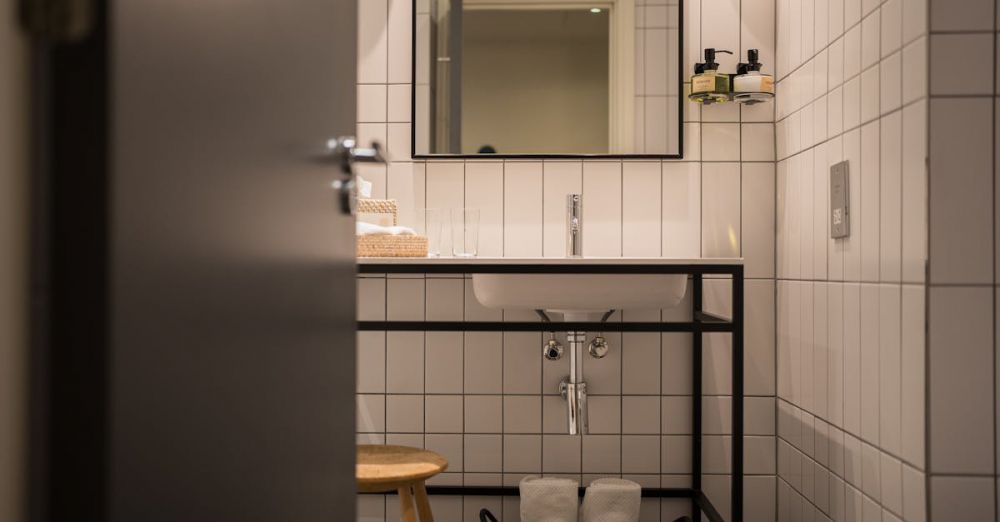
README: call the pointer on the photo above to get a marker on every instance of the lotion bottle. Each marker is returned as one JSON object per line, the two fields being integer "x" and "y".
{"x": 749, "y": 85}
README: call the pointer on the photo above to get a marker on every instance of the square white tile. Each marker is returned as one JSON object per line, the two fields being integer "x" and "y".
{"x": 601, "y": 454}
{"x": 373, "y": 45}
{"x": 914, "y": 200}
{"x": 870, "y": 39}
{"x": 522, "y": 453}
{"x": 371, "y": 103}
{"x": 523, "y": 209}
{"x": 914, "y": 70}
{"x": 974, "y": 15}
{"x": 721, "y": 220}
{"x": 720, "y": 141}
{"x": 947, "y": 53}
{"x": 640, "y": 415}
{"x": 484, "y": 190}
{"x": 602, "y": 184}
{"x": 890, "y": 387}
{"x": 960, "y": 370}
{"x": 404, "y": 362}
{"x": 371, "y": 362}
{"x": 522, "y": 414}
{"x": 400, "y": 38}
{"x": 404, "y": 413}
{"x": 443, "y": 414}
{"x": 443, "y": 363}
{"x": 562, "y": 454}
{"x": 483, "y": 362}
{"x": 892, "y": 26}
{"x": 868, "y": 220}
{"x": 681, "y": 209}
{"x": 960, "y": 186}
{"x": 912, "y": 375}
{"x": 483, "y": 453}
{"x": 371, "y": 413}
{"x": 399, "y": 103}
{"x": 640, "y": 217}
{"x": 962, "y": 498}
{"x": 641, "y": 363}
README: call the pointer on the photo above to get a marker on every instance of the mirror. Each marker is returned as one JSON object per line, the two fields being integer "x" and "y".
{"x": 547, "y": 78}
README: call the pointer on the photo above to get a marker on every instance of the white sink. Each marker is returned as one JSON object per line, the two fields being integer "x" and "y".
{"x": 579, "y": 295}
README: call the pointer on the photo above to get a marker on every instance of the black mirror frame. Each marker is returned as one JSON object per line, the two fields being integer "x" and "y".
{"x": 487, "y": 157}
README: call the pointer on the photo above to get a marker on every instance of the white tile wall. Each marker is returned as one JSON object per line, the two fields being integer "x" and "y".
{"x": 850, "y": 312}
{"x": 486, "y": 400}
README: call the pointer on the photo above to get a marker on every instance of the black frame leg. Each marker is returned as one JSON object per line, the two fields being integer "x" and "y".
{"x": 737, "y": 340}
{"x": 696, "y": 394}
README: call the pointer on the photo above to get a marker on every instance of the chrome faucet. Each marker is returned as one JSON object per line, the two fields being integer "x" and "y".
{"x": 574, "y": 225}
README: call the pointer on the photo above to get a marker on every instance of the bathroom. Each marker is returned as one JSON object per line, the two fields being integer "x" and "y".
{"x": 839, "y": 414}
{"x": 824, "y": 244}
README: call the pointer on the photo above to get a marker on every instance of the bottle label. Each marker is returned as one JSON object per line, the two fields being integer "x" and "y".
{"x": 767, "y": 84}
{"x": 703, "y": 84}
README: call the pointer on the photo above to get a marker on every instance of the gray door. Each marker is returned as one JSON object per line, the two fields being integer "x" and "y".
{"x": 232, "y": 265}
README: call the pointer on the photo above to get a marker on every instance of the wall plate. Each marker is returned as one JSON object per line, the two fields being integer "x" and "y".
{"x": 840, "y": 208}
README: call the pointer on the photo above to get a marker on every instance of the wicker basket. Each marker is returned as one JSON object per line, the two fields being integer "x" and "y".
{"x": 388, "y": 245}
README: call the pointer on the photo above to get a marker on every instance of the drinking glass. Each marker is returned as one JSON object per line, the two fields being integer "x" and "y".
{"x": 433, "y": 223}
{"x": 465, "y": 232}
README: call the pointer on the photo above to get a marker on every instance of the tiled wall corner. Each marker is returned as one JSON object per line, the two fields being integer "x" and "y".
{"x": 467, "y": 401}
{"x": 850, "y": 312}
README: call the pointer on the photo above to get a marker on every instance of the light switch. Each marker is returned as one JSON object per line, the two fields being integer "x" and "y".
{"x": 840, "y": 208}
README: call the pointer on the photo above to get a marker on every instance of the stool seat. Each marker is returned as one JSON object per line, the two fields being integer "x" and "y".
{"x": 383, "y": 468}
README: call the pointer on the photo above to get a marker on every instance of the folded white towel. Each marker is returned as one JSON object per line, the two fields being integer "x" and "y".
{"x": 548, "y": 499}
{"x": 611, "y": 500}
{"x": 364, "y": 187}
{"x": 370, "y": 229}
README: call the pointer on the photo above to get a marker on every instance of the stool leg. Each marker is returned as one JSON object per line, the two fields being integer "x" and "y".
{"x": 406, "y": 511}
{"x": 423, "y": 505}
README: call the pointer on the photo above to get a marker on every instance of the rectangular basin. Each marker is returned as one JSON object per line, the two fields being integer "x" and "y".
{"x": 569, "y": 293}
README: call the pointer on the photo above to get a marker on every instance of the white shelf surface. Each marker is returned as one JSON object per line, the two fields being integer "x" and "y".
{"x": 445, "y": 261}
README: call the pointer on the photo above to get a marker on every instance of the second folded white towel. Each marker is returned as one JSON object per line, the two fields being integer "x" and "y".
{"x": 611, "y": 500}
{"x": 548, "y": 499}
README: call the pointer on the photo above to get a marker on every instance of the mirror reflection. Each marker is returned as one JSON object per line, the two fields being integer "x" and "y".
{"x": 547, "y": 77}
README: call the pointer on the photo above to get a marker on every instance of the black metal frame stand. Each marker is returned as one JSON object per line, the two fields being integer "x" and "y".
{"x": 702, "y": 322}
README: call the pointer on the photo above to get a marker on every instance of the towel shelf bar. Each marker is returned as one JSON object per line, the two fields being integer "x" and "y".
{"x": 697, "y": 497}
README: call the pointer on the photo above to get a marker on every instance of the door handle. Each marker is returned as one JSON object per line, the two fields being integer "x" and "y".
{"x": 344, "y": 152}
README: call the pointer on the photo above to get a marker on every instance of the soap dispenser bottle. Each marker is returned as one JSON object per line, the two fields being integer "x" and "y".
{"x": 750, "y": 86}
{"x": 708, "y": 85}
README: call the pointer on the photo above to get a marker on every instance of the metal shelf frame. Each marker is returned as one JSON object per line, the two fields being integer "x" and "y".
{"x": 702, "y": 322}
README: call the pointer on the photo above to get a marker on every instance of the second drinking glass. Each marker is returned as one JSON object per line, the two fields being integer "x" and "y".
{"x": 465, "y": 232}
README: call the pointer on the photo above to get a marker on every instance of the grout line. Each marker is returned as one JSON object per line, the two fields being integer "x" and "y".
{"x": 925, "y": 407}
{"x": 993, "y": 181}
{"x": 774, "y": 260}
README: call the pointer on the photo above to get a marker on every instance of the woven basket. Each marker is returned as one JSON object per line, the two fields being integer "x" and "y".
{"x": 387, "y": 245}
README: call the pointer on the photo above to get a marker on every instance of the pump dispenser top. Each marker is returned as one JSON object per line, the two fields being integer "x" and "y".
{"x": 753, "y": 63}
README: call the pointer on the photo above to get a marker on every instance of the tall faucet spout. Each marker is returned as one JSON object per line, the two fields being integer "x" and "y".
{"x": 574, "y": 225}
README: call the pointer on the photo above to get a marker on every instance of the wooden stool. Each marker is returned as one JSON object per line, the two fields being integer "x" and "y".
{"x": 381, "y": 469}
